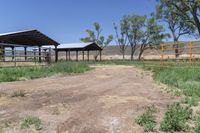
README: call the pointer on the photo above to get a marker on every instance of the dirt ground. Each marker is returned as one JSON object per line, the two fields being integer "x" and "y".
{"x": 104, "y": 100}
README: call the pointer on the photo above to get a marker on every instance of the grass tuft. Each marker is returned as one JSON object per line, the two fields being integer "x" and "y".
{"x": 191, "y": 101}
{"x": 31, "y": 120}
{"x": 176, "y": 118}
{"x": 147, "y": 119}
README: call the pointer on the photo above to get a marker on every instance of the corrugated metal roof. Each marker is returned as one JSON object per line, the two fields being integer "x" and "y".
{"x": 8, "y": 33}
{"x": 75, "y": 45}
{"x": 27, "y": 38}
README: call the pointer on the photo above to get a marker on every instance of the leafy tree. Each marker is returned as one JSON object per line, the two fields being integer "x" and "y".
{"x": 121, "y": 39}
{"x": 95, "y": 36}
{"x": 132, "y": 27}
{"x": 188, "y": 10}
{"x": 152, "y": 34}
{"x": 177, "y": 26}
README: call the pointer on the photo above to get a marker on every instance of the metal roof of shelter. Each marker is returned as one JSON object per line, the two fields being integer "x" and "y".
{"x": 79, "y": 46}
{"x": 26, "y": 38}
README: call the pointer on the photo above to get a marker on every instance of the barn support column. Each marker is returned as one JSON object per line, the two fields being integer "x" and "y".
{"x": 66, "y": 55}
{"x": 56, "y": 54}
{"x": 25, "y": 53}
{"x": 49, "y": 56}
{"x": 83, "y": 55}
{"x": 40, "y": 59}
{"x": 34, "y": 52}
{"x": 69, "y": 55}
{"x": 88, "y": 55}
{"x": 76, "y": 55}
{"x": 12, "y": 53}
{"x": 3, "y": 53}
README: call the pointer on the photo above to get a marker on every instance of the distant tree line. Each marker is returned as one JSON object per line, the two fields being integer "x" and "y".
{"x": 143, "y": 32}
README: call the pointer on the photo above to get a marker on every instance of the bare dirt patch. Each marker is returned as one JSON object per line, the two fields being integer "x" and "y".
{"x": 105, "y": 100}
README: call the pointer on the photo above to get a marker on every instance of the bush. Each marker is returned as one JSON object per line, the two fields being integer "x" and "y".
{"x": 31, "y": 120}
{"x": 147, "y": 119}
{"x": 175, "y": 118}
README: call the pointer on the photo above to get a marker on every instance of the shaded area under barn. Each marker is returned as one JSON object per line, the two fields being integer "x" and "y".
{"x": 80, "y": 47}
{"x": 26, "y": 46}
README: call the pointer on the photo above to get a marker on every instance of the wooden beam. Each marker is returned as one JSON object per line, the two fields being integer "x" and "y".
{"x": 40, "y": 59}
{"x": 76, "y": 55}
{"x": 34, "y": 51}
{"x": 88, "y": 55}
{"x": 83, "y": 55}
{"x": 69, "y": 55}
{"x": 13, "y": 52}
{"x": 25, "y": 53}
{"x": 3, "y": 53}
{"x": 56, "y": 54}
{"x": 66, "y": 56}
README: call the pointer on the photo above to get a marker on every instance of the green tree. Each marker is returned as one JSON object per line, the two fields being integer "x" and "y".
{"x": 152, "y": 34}
{"x": 188, "y": 10}
{"x": 95, "y": 36}
{"x": 121, "y": 39}
{"x": 132, "y": 27}
{"x": 177, "y": 26}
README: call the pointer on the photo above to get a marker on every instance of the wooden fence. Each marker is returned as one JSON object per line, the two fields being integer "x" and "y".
{"x": 173, "y": 53}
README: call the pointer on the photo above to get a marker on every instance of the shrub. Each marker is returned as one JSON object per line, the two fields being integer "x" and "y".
{"x": 175, "y": 118}
{"x": 31, "y": 120}
{"x": 147, "y": 119}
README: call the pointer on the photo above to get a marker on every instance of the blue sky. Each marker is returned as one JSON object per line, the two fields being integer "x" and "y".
{"x": 66, "y": 20}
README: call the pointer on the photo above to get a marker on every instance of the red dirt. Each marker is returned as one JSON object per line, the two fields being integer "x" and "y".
{"x": 105, "y": 100}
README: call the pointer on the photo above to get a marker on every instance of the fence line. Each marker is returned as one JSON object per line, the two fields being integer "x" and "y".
{"x": 174, "y": 53}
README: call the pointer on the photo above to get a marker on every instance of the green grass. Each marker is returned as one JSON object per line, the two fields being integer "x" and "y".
{"x": 191, "y": 101}
{"x": 176, "y": 118}
{"x": 184, "y": 77}
{"x": 31, "y": 120}
{"x": 147, "y": 119}
{"x": 19, "y": 73}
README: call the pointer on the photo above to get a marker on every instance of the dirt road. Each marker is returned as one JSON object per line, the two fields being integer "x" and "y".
{"x": 104, "y": 100}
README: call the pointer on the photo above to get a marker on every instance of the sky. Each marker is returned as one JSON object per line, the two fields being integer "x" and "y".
{"x": 66, "y": 20}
